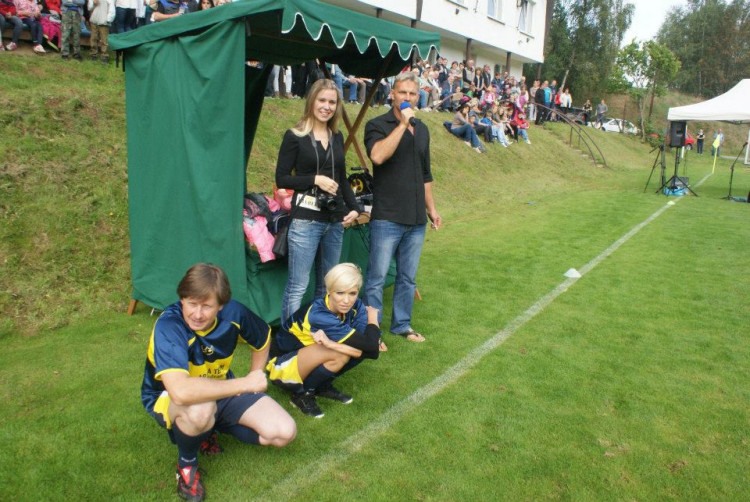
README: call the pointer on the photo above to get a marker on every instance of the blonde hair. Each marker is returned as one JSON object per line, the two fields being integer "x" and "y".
{"x": 305, "y": 124}
{"x": 342, "y": 277}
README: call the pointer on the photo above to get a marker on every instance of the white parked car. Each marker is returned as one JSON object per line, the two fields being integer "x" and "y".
{"x": 618, "y": 125}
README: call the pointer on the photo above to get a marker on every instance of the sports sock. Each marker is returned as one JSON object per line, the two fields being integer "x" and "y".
{"x": 317, "y": 377}
{"x": 351, "y": 364}
{"x": 187, "y": 446}
{"x": 244, "y": 434}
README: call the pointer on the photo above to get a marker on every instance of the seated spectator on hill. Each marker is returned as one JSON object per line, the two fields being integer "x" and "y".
{"x": 464, "y": 130}
{"x": 323, "y": 340}
{"x": 30, "y": 15}
{"x": 357, "y": 89}
{"x": 489, "y": 97}
{"x": 520, "y": 125}
{"x": 432, "y": 89}
{"x": 475, "y": 116}
{"x": 493, "y": 118}
{"x": 498, "y": 81}
{"x": 383, "y": 93}
{"x": 51, "y": 22}
{"x": 455, "y": 71}
{"x": 523, "y": 97}
{"x": 8, "y": 17}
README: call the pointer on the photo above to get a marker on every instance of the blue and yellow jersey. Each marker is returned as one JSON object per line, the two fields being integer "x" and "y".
{"x": 173, "y": 346}
{"x": 297, "y": 331}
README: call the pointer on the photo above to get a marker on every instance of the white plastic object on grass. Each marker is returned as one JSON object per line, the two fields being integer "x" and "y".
{"x": 573, "y": 274}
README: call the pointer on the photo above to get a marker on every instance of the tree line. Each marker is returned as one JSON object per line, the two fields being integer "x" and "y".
{"x": 702, "y": 48}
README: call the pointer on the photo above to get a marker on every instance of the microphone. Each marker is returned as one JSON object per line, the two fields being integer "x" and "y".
{"x": 404, "y": 105}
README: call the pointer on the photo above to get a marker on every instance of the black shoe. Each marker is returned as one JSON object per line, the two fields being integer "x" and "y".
{"x": 305, "y": 402}
{"x": 332, "y": 392}
{"x": 77, "y": 56}
{"x": 211, "y": 446}
{"x": 189, "y": 486}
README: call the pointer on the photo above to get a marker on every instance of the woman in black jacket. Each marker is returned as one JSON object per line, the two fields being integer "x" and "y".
{"x": 312, "y": 163}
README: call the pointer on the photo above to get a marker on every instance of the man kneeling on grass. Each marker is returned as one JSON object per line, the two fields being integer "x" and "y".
{"x": 188, "y": 386}
{"x": 324, "y": 339}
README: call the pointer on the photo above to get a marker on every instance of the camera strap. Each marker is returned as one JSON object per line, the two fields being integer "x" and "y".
{"x": 329, "y": 153}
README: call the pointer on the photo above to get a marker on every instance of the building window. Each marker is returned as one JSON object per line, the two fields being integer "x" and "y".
{"x": 493, "y": 8}
{"x": 525, "y": 11}
{"x": 462, "y": 3}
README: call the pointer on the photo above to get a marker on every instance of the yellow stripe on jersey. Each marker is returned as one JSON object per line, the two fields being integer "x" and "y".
{"x": 157, "y": 376}
{"x": 150, "y": 353}
{"x": 211, "y": 369}
{"x": 162, "y": 407}
{"x": 286, "y": 372}
{"x": 268, "y": 341}
{"x": 303, "y": 333}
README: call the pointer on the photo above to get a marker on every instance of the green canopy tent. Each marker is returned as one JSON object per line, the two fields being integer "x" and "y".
{"x": 192, "y": 107}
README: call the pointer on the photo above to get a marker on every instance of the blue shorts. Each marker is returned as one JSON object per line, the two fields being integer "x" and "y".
{"x": 228, "y": 411}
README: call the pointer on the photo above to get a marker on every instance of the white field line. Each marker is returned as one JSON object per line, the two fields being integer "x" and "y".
{"x": 312, "y": 472}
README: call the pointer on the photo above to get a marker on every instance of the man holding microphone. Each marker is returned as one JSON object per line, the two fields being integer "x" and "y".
{"x": 399, "y": 147}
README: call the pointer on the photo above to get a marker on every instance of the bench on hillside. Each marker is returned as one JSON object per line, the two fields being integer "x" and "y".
{"x": 26, "y": 35}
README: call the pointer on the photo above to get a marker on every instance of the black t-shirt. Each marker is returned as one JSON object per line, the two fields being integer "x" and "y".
{"x": 399, "y": 194}
{"x": 297, "y": 166}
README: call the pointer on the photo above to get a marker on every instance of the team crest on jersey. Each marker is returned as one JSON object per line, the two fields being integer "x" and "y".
{"x": 207, "y": 350}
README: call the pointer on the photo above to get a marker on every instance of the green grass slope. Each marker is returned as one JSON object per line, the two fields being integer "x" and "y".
{"x": 628, "y": 384}
{"x": 64, "y": 238}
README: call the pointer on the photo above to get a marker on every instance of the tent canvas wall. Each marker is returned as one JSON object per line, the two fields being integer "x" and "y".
{"x": 192, "y": 106}
{"x": 732, "y": 106}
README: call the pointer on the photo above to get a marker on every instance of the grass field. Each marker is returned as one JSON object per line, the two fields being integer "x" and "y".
{"x": 631, "y": 383}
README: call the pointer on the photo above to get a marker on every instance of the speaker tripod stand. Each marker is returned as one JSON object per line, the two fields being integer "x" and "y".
{"x": 731, "y": 175}
{"x": 660, "y": 156}
{"x": 672, "y": 182}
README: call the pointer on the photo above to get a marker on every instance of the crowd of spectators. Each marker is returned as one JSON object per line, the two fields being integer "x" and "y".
{"x": 58, "y": 24}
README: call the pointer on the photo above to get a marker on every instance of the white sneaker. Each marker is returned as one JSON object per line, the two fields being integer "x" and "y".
{"x": 11, "y": 46}
{"x": 39, "y": 49}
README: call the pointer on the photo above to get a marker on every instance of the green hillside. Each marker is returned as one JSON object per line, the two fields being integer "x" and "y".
{"x": 64, "y": 238}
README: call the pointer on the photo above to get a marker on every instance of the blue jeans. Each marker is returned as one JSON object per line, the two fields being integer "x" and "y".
{"x": 309, "y": 242}
{"x": 17, "y": 26}
{"x": 124, "y": 19}
{"x": 466, "y": 133}
{"x": 35, "y": 27}
{"x": 388, "y": 239}
{"x": 422, "y": 99}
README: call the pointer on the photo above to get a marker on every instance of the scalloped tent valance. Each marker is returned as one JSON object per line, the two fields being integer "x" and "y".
{"x": 293, "y": 31}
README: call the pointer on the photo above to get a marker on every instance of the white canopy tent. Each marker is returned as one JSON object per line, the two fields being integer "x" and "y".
{"x": 732, "y": 106}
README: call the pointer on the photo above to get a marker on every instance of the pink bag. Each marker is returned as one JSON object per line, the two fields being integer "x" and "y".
{"x": 257, "y": 234}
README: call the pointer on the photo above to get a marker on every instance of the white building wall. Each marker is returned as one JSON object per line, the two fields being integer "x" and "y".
{"x": 493, "y": 34}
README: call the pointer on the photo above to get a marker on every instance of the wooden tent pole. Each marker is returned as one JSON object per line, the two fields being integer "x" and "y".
{"x": 352, "y": 129}
{"x": 348, "y": 124}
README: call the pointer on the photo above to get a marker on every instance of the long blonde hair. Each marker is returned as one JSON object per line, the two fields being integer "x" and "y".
{"x": 305, "y": 123}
